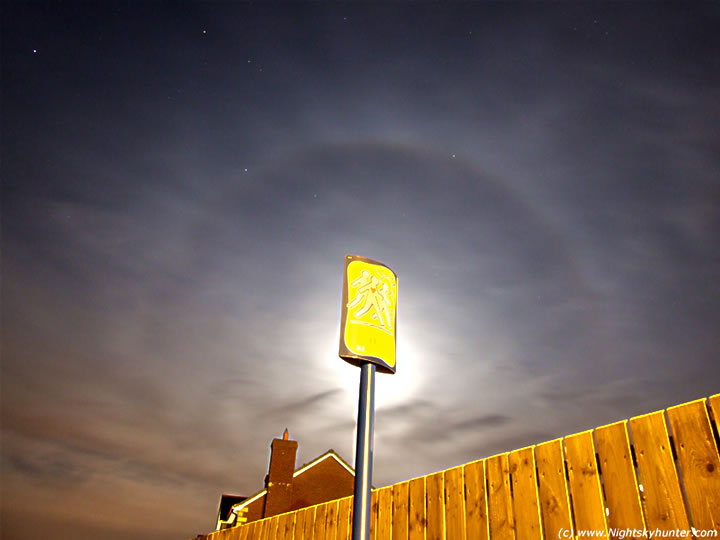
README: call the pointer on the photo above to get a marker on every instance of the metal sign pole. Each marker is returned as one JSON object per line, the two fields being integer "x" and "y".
{"x": 364, "y": 453}
{"x": 368, "y": 322}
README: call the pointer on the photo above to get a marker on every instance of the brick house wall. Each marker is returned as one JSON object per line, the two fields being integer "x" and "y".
{"x": 325, "y": 478}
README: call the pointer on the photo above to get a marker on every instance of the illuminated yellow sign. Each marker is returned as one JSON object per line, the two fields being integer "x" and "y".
{"x": 369, "y": 313}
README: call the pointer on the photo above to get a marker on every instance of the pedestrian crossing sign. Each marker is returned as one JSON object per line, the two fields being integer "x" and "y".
{"x": 369, "y": 313}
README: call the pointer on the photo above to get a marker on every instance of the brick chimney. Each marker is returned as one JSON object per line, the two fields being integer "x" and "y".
{"x": 280, "y": 476}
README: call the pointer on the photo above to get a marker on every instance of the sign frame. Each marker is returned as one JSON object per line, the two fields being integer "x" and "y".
{"x": 353, "y": 357}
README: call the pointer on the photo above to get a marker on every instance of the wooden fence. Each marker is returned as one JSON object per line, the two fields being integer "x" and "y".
{"x": 660, "y": 471}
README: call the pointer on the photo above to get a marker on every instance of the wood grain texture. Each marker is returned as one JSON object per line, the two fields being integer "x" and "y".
{"x": 552, "y": 482}
{"x": 500, "y": 513}
{"x": 331, "y": 521}
{"x": 299, "y": 529}
{"x": 586, "y": 491}
{"x": 400, "y": 510}
{"x": 372, "y": 534}
{"x": 320, "y": 521}
{"x": 476, "y": 521}
{"x": 263, "y": 529}
{"x": 256, "y": 532}
{"x": 526, "y": 502}
{"x": 344, "y": 522}
{"x": 622, "y": 494}
{"x": 455, "y": 503}
{"x": 698, "y": 461}
{"x": 228, "y": 534}
{"x": 385, "y": 512}
{"x": 664, "y": 508}
{"x": 309, "y": 523}
{"x": 286, "y": 526}
{"x": 416, "y": 518}
{"x": 252, "y": 530}
{"x": 435, "y": 510}
{"x": 274, "y": 531}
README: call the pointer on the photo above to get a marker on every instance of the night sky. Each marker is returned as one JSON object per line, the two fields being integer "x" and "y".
{"x": 181, "y": 182}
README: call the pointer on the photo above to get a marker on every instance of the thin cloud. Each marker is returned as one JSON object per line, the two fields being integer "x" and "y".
{"x": 302, "y": 406}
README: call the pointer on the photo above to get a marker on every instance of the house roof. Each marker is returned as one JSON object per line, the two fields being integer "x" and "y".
{"x": 227, "y": 501}
{"x": 329, "y": 454}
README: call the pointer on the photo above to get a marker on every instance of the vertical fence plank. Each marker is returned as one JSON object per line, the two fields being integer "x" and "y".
{"x": 698, "y": 461}
{"x": 400, "y": 505}
{"x": 331, "y": 525}
{"x": 502, "y": 526}
{"x": 285, "y": 526}
{"x": 299, "y": 529}
{"x": 384, "y": 512}
{"x": 344, "y": 506}
{"x": 271, "y": 528}
{"x": 263, "y": 529}
{"x": 664, "y": 508}
{"x": 309, "y": 523}
{"x": 587, "y": 495}
{"x": 290, "y": 526}
{"x": 554, "y": 497}
{"x": 372, "y": 535}
{"x": 416, "y": 518}
{"x": 476, "y": 521}
{"x": 243, "y": 532}
{"x": 257, "y": 532}
{"x": 622, "y": 494}
{"x": 454, "y": 504}
{"x": 350, "y": 519}
{"x": 434, "y": 509}
{"x": 252, "y": 530}
{"x": 715, "y": 415}
{"x": 320, "y": 519}
{"x": 526, "y": 505}
{"x": 281, "y": 525}
{"x": 715, "y": 405}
